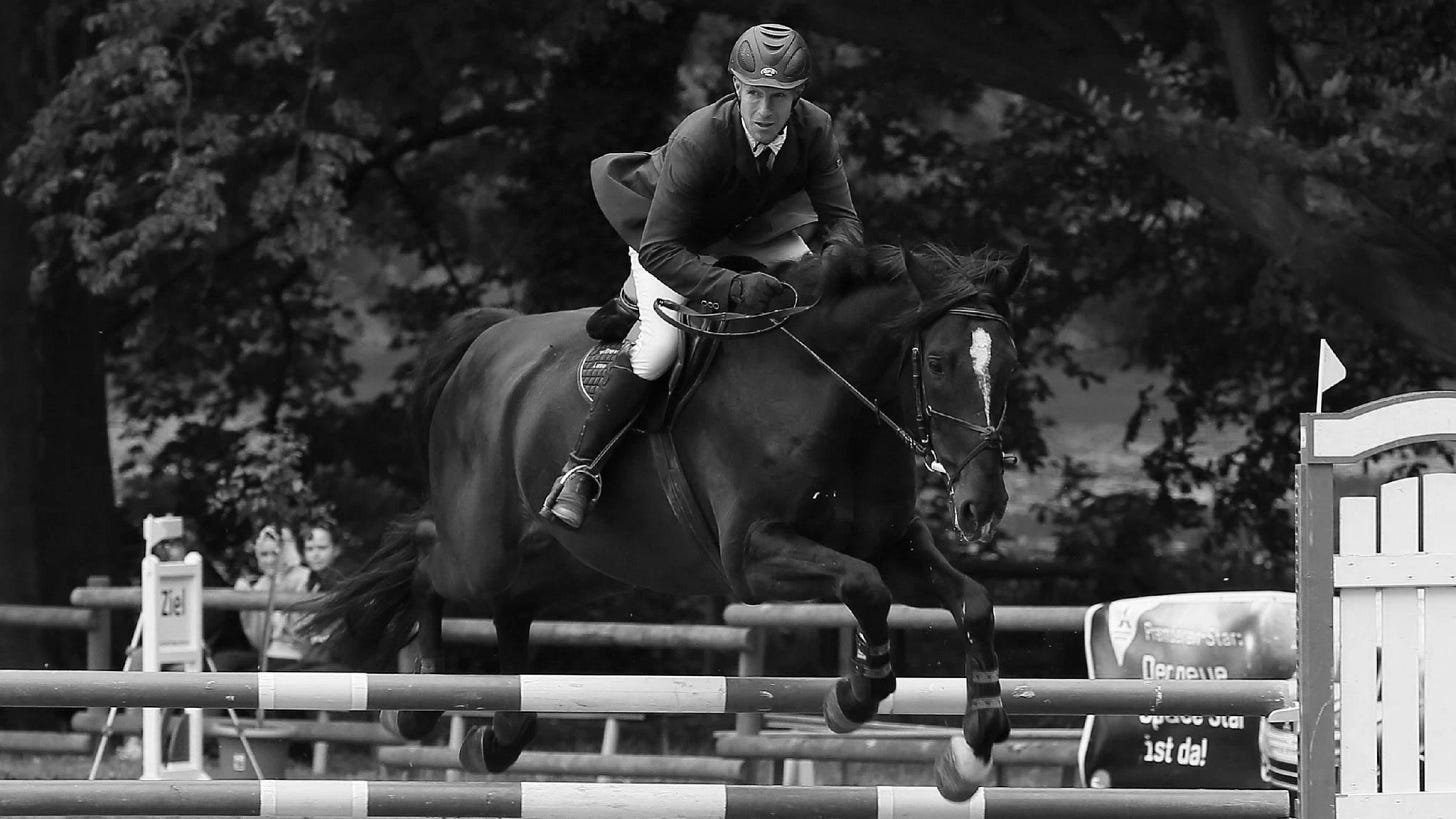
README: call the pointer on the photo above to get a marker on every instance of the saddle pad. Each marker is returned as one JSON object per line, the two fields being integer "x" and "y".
{"x": 592, "y": 373}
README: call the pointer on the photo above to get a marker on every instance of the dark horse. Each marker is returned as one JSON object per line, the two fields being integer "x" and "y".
{"x": 801, "y": 447}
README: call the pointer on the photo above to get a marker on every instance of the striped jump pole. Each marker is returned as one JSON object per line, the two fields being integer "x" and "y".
{"x": 837, "y": 615}
{"x": 570, "y": 800}
{"x": 607, "y": 693}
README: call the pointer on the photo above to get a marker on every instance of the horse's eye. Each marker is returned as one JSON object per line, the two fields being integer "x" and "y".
{"x": 935, "y": 364}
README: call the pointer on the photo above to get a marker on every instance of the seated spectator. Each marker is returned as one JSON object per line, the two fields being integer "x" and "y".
{"x": 276, "y": 637}
{"x": 321, "y": 555}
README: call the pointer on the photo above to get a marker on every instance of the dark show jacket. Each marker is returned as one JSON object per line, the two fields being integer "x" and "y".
{"x": 703, "y": 185}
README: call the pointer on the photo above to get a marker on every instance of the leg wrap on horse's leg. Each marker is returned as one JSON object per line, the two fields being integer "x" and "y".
{"x": 871, "y": 661}
{"x": 854, "y": 700}
{"x": 984, "y": 700}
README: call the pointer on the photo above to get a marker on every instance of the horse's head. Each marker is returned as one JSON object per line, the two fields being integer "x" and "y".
{"x": 965, "y": 355}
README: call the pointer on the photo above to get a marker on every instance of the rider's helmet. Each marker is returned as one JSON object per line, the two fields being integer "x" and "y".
{"x": 772, "y": 55}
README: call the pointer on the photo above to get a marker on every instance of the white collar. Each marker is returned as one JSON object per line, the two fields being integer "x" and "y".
{"x": 757, "y": 148}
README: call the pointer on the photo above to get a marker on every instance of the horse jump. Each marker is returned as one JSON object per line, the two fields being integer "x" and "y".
{"x": 607, "y": 693}
{"x": 566, "y": 800}
{"x": 789, "y": 469}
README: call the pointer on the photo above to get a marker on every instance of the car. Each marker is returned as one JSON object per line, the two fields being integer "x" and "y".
{"x": 1279, "y": 748}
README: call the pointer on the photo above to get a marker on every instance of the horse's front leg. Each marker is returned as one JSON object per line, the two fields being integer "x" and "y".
{"x": 782, "y": 565}
{"x": 920, "y": 575}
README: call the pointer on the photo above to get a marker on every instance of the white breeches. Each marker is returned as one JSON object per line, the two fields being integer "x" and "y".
{"x": 655, "y": 349}
{"x": 656, "y": 346}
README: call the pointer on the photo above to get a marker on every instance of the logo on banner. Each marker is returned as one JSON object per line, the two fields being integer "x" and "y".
{"x": 1122, "y": 621}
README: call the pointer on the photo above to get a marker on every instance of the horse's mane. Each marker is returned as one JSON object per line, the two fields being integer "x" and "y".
{"x": 958, "y": 279}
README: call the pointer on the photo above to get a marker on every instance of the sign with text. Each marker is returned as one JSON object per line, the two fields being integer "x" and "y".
{"x": 171, "y": 636}
{"x": 176, "y": 594}
{"x": 1207, "y": 636}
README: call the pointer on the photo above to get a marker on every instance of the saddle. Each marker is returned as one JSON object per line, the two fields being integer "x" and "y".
{"x": 613, "y": 326}
{"x": 695, "y": 355}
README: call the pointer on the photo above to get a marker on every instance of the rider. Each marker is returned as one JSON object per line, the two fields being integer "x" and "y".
{"x": 730, "y": 166}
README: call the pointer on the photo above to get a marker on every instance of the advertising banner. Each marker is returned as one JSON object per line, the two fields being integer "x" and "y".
{"x": 1206, "y": 636}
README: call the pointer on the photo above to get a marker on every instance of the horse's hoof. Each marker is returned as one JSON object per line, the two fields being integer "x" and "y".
{"x": 959, "y": 773}
{"x": 410, "y": 725}
{"x": 482, "y": 752}
{"x": 842, "y": 719}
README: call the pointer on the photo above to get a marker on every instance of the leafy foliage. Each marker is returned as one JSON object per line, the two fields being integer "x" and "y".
{"x": 267, "y": 487}
{"x": 246, "y": 184}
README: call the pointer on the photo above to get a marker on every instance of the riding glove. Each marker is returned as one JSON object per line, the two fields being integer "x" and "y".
{"x": 755, "y": 292}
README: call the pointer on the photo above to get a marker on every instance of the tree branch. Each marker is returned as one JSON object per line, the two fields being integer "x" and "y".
{"x": 1248, "y": 45}
{"x": 1046, "y": 50}
{"x": 385, "y": 156}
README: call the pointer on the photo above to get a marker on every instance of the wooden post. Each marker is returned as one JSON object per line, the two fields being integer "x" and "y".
{"x": 751, "y": 664}
{"x": 98, "y": 637}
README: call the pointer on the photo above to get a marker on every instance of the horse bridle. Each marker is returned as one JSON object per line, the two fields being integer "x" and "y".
{"x": 923, "y": 444}
{"x": 990, "y": 434}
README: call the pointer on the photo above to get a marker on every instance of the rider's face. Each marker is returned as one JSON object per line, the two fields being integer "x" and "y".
{"x": 765, "y": 110}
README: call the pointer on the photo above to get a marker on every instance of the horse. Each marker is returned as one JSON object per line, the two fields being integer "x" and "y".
{"x": 800, "y": 445}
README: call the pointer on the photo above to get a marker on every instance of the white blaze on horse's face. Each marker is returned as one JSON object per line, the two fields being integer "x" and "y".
{"x": 981, "y": 363}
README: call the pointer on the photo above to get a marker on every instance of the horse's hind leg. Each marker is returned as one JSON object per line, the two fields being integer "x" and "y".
{"x": 920, "y": 575}
{"x": 496, "y": 747}
{"x": 783, "y": 565}
{"x": 429, "y": 612}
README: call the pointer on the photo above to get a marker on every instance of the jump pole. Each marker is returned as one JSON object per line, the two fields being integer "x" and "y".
{"x": 571, "y": 800}
{"x": 606, "y": 693}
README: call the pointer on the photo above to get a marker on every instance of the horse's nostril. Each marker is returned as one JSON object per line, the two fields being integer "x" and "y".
{"x": 966, "y": 516}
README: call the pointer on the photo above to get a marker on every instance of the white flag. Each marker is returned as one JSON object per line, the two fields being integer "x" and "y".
{"x": 1331, "y": 372}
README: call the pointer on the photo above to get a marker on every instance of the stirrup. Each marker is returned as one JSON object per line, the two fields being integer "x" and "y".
{"x": 547, "y": 508}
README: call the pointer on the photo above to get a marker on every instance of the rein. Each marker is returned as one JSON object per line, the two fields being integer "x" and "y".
{"x": 776, "y": 318}
{"x": 922, "y": 445}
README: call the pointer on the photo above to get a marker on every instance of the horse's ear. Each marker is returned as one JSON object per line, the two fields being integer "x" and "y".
{"x": 925, "y": 280}
{"x": 1005, "y": 280}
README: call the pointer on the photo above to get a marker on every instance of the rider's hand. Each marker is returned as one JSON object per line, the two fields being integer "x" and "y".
{"x": 756, "y": 292}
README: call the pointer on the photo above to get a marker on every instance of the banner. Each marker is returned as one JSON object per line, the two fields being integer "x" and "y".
{"x": 1208, "y": 636}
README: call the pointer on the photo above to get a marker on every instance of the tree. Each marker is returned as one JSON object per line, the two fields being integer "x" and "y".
{"x": 238, "y": 154}
{"x": 55, "y": 483}
{"x": 1226, "y": 182}
{"x": 1333, "y": 202}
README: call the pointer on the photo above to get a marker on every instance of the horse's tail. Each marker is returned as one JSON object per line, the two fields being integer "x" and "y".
{"x": 368, "y": 616}
{"x": 438, "y": 357}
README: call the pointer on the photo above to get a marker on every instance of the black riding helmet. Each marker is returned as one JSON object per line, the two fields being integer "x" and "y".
{"x": 772, "y": 55}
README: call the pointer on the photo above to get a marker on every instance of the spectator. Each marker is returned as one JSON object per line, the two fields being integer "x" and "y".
{"x": 275, "y": 636}
{"x": 321, "y": 554}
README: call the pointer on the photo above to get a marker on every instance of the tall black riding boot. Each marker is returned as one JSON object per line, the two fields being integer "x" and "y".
{"x": 617, "y": 404}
